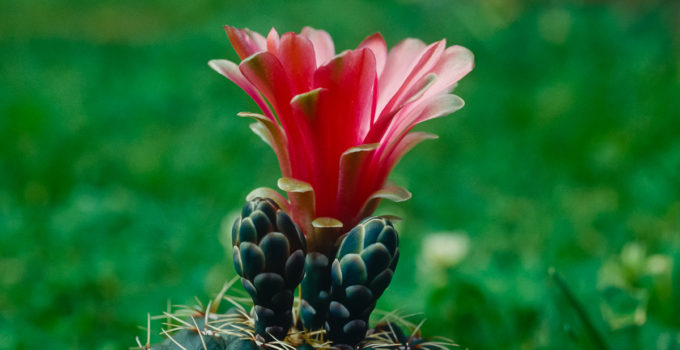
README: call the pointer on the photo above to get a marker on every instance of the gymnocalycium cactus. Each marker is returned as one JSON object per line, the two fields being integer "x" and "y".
{"x": 362, "y": 270}
{"x": 269, "y": 255}
{"x": 338, "y": 124}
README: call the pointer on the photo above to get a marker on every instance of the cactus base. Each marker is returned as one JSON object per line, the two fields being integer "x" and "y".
{"x": 234, "y": 331}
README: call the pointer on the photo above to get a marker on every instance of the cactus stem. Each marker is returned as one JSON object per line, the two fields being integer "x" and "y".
{"x": 173, "y": 339}
{"x": 200, "y": 334}
{"x": 202, "y": 328}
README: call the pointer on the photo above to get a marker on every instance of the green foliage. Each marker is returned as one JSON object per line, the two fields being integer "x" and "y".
{"x": 121, "y": 156}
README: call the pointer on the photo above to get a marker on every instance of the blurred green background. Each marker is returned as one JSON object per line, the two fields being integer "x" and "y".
{"x": 121, "y": 161}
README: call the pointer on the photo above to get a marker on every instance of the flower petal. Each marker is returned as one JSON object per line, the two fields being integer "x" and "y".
{"x": 409, "y": 141}
{"x": 349, "y": 79}
{"x": 245, "y": 42}
{"x": 231, "y": 71}
{"x": 272, "y": 134}
{"x": 267, "y": 74}
{"x": 418, "y": 112}
{"x": 296, "y": 54}
{"x": 352, "y": 162}
{"x": 273, "y": 41}
{"x": 398, "y": 64}
{"x": 455, "y": 63}
{"x": 324, "y": 48}
{"x": 425, "y": 62}
{"x": 402, "y": 123}
{"x": 302, "y": 199}
{"x": 307, "y": 104}
{"x": 388, "y": 191}
{"x": 325, "y": 231}
{"x": 345, "y": 107}
{"x": 376, "y": 43}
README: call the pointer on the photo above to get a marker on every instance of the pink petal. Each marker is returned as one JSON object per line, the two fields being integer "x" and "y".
{"x": 418, "y": 112}
{"x": 296, "y": 54}
{"x": 352, "y": 164}
{"x": 409, "y": 141}
{"x": 273, "y": 41}
{"x": 324, "y": 49}
{"x": 302, "y": 201}
{"x": 455, "y": 63}
{"x": 272, "y": 134}
{"x": 427, "y": 60}
{"x": 231, "y": 71}
{"x": 376, "y": 43}
{"x": 350, "y": 79}
{"x": 398, "y": 64}
{"x": 267, "y": 74}
{"x": 305, "y": 108}
{"x": 245, "y": 42}
{"x": 385, "y": 159}
{"x": 306, "y": 105}
{"x": 400, "y": 125}
{"x": 388, "y": 191}
{"x": 345, "y": 108}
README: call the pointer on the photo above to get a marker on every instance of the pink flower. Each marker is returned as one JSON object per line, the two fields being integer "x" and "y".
{"x": 339, "y": 123}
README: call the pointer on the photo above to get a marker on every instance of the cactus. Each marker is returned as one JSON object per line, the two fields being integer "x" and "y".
{"x": 335, "y": 149}
{"x": 390, "y": 335}
{"x": 217, "y": 335}
{"x": 269, "y": 255}
{"x": 361, "y": 272}
{"x": 315, "y": 291}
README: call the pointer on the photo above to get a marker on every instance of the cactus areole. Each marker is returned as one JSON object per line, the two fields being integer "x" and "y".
{"x": 338, "y": 124}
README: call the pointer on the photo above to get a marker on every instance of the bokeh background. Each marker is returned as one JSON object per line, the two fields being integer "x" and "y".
{"x": 122, "y": 160}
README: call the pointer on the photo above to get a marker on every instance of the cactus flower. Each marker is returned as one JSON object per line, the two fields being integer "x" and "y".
{"x": 339, "y": 122}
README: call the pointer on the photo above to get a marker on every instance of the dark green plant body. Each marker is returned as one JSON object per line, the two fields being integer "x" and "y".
{"x": 215, "y": 337}
{"x": 393, "y": 335}
{"x": 269, "y": 254}
{"x": 315, "y": 290}
{"x": 206, "y": 338}
{"x": 361, "y": 272}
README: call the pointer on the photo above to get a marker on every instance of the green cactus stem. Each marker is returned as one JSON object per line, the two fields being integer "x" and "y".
{"x": 315, "y": 290}
{"x": 269, "y": 255}
{"x": 361, "y": 272}
{"x": 390, "y": 335}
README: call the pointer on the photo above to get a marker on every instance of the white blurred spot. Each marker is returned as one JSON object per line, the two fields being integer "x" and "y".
{"x": 440, "y": 252}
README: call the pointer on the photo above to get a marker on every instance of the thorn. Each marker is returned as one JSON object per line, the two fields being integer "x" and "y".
{"x": 173, "y": 339}
{"x": 148, "y": 330}
{"x": 200, "y": 334}
{"x": 415, "y": 331}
